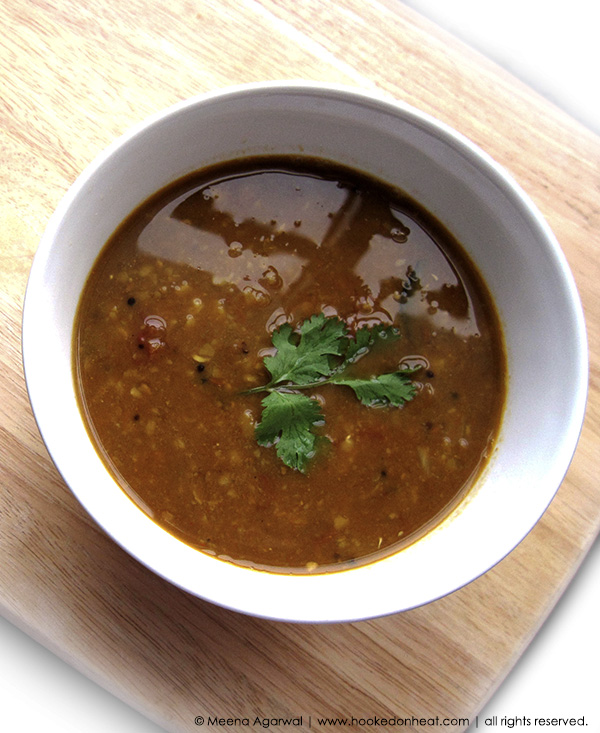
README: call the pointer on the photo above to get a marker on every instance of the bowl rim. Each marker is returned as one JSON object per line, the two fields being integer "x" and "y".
{"x": 297, "y": 587}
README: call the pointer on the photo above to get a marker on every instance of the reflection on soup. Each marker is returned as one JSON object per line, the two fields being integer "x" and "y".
{"x": 177, "y": 318}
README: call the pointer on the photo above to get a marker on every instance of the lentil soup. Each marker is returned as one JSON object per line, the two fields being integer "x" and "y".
{"x": 177, "y": 318}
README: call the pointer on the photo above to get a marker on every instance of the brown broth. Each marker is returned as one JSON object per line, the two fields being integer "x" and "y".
{"x": 177, "y": 316}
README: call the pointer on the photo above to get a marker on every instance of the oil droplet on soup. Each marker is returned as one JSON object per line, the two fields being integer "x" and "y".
{"x": 177, "y": 317}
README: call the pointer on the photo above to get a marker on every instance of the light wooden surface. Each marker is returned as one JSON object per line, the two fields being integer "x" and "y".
{"x": 74, "y": 75}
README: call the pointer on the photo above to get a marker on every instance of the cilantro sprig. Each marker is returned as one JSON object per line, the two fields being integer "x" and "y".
{"x": 318, "y": 353}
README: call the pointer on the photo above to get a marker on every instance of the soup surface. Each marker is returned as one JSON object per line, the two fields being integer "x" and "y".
{"x": 180, "y": 316}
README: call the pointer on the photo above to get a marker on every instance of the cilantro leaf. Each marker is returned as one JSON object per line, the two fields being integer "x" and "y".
{"x": 393, "y": 389}
{"x": 287, "y": 422}
{"x": 364, "y": 340}
{"x": 305, "y": 359}
{"x": 318, "y": 353}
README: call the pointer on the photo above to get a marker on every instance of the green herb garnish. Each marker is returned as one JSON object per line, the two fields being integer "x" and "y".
{"x": 319, "y": 353}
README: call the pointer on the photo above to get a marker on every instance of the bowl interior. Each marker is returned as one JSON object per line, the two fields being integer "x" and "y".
{"x": 497, "y": 224}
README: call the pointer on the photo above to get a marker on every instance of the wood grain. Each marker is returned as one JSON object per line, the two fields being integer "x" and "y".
{"x": 73, "y": 77}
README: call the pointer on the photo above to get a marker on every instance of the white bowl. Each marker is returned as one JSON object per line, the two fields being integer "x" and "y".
{"x": 477, "y": 201}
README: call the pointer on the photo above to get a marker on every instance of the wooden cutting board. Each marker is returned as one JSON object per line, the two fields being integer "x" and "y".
{"x": 74, "y": 76}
